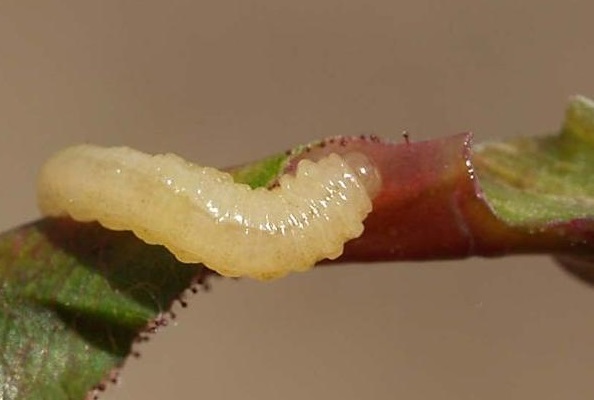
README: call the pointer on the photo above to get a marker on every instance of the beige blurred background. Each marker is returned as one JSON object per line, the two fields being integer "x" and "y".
{"x": 223, "y": 82}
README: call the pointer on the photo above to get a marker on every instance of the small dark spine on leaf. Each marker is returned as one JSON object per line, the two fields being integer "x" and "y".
{"x": 406, "y": 137}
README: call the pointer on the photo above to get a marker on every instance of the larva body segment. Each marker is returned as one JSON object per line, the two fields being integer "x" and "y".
{"x": 201, "y": 215}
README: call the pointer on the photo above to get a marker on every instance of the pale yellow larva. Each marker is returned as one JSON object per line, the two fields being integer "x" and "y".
{"x": 201, "y": 215}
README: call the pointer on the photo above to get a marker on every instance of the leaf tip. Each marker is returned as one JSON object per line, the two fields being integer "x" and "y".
{"x": 579, "y": 119}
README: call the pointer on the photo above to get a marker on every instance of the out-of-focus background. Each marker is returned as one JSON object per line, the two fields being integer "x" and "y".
{"x": 223, "y": 82}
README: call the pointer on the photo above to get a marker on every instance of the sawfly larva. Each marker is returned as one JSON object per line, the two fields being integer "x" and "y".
{"x": 202, "y": 216}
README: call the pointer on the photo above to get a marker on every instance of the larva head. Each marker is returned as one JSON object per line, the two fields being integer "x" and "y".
{"x": 366, "y": 172}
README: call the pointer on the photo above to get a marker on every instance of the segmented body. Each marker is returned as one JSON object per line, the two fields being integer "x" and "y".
{"x": 201, "y": 215}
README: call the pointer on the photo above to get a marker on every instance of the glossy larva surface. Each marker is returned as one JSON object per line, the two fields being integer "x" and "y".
{"x": 201, "y": 215}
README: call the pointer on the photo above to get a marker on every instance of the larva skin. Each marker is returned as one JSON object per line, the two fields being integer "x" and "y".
{"x": 201, "y": 215}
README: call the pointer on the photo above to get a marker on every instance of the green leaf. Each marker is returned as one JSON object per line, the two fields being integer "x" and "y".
{"x": 260, "y": 173}
{"x": 539, "y": 181}
{"x": 73, "y": 299}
